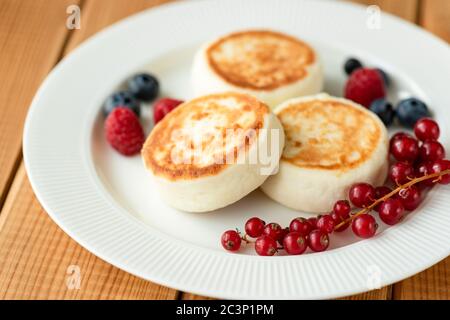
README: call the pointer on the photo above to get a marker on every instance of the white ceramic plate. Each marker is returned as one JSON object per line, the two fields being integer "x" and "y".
{"x": 106, "y": 203}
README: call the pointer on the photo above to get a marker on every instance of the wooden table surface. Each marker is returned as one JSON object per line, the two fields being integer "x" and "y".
{"x": 35, "y": 253}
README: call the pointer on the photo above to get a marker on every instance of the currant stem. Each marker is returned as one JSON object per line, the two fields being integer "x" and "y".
{"x": 394, "y": 192}
{"x": 246, "y": 240}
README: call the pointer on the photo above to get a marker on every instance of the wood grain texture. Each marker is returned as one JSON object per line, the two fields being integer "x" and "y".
{"x": 191, "y": 296}
{"x": 431, "y": 284}
{"x": 31, "y": 36}
{"x": 98, "y": 14}
{"x": 435, "y": 16}
{"x": 384, "y": 293}
{"x": 36, "y": 257}
{"x": 406, "y": 9}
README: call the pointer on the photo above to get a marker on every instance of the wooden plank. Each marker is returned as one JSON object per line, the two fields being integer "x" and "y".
{"x": 34, "y": 253}
{"x": 31, "y": 36}
{"x": 433, "y": 283}
{"x": 381, "y": 294}
{"x": 435, "y": 16}
{"x": 98, "y": 14}
{"x": 406, "y": 9}
{"x": 39, "y": 261}
{"x": 191, "y": 296}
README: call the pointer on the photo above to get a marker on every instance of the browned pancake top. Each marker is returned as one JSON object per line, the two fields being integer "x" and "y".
{"x": 259, "y": 59}
{"x": 203, "y": 124}
{"x": 328, "y": 135}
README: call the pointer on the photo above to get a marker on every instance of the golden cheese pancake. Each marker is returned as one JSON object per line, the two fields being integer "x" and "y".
{"x": 269, "y": 65}
{"x": 204, "y": 154}
{"x": 330, "y": 144}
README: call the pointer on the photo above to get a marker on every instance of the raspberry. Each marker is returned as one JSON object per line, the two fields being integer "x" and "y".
{"x": 124, "y": 132}
{"x": 364, "y": 86}
{"x": 162, "y": 107}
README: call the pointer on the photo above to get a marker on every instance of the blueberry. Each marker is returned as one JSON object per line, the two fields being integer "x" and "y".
{"x": 351, "y": 65}
{"x": 144, "y": 86}
{"x": 121, "y": 99}
{"x": 410, "y": 110}
{"x": 385, "y": 77}
{"x": 384, "y": 110}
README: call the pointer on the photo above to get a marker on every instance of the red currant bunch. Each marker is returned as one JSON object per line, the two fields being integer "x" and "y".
{"x": 420, "y": 164}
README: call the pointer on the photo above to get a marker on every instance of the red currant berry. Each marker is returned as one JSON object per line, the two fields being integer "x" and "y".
{"x": 364, "y": 226}
{"x": 424, "y": 169}
{"x": 294, "y": 243}
{"x": 426, "y": 129}
{"x": 231, "y": 240}
{"x": 274, "y": 231}
{"x": 326, "y": 223}
{"x": 318, "y": 240}
{"x": 397, "y": 136}
{"x": 312, "y": 222}
{"x": 341, "y": 212}
{"x": 164, "y": 106}
{"x": 439, "y": 166}
{"x": 265, "y": 246}
{"x": 300, "y": 225}
{"x": 401, "y": 172}
{"x": 254, "y": 227}
{"x": 391, "y": 211}
{"x": 405, "y": 149}
{"x": 431, "y": 151}
{"x": 342, "y": 208}
{"x": 410, "y": 197}
{"x": 380, "y": 192}
{"x": 284, "y": 232}
{"x": 337, "y": 221}
{"x": 361, "y": 194}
